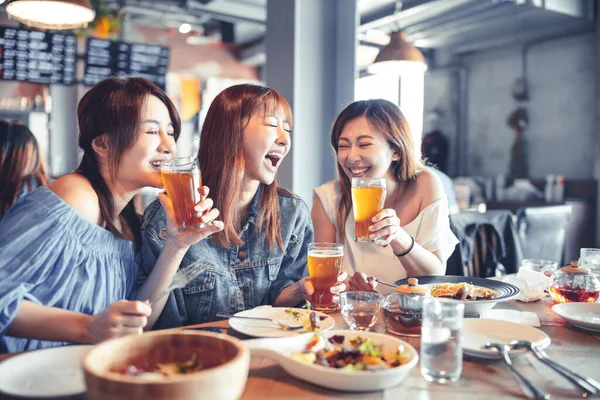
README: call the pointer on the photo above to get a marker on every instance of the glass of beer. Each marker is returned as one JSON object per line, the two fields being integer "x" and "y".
{"x": 182, "y": 179}
{"x": 324, "y": 267}
{"x": 368, "y": 197}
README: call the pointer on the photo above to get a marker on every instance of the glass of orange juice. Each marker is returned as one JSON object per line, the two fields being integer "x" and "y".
{"x": 368, "y": 198}
{"x": 324, "y": 267}
{"x": 182, "y": 179}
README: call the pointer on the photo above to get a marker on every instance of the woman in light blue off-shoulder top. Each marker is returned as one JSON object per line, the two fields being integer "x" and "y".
{"x": 69, "y": 252}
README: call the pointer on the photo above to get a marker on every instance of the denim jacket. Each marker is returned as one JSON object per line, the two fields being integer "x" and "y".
{"x": 235, "y": 279}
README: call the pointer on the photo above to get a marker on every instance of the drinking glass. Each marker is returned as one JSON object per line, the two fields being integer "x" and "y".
{"x": 590, "y": 258}
{"x": 441, "y": 340}
{"x": 368, "y": 197}
{"x": 360, "y": 309}
{"x": 324, "y": 267}
{"x": 545, "y": 267}
{"x": 182, "y": 179}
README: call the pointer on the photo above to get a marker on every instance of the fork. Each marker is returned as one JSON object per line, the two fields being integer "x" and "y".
{"x": 182, "y": 277}
{"x": 587, "y": 384}
{"x": 503, "y": 350}
{"x": 274, "y": 321}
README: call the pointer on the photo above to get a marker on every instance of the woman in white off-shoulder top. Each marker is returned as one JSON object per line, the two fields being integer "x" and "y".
{"x": 372, "y": 139}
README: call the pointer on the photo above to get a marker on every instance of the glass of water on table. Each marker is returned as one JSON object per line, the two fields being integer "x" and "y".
{"x": 441, "y": 340}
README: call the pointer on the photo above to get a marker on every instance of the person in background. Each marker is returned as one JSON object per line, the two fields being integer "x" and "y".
{"x": 372, "y": 140}
{"x": 69, "y": 252}
{"x": 449, "y": 190}
{"x": 21, "y": 164}
{"x": 260, "y": 257}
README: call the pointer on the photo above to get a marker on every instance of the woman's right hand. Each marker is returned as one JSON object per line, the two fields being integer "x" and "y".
{"x": 119, "y": 319}
{"x": 360, "y": 282}
{"x": 204, "y": 207}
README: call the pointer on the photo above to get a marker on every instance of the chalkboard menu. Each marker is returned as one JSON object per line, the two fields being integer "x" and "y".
{"x": 106, "y": 58}
{"x": 38, "y": 57}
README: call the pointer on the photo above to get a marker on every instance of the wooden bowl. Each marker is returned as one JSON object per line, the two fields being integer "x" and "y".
{"x": 225, "y": 359}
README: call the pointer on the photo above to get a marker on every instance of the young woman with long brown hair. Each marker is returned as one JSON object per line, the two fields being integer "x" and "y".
{"x": 372, "y": 139}
{"x": 21, "y": 163}
{"x": 260, "y": 256}
{"x": 69, "y": 252}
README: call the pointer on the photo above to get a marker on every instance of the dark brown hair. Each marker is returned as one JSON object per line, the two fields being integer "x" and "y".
{"x": 114, "y": 107}
{"x": 222, "y": 161}
{"x": 385, "y": 118}
{"x": 17, "y": 146}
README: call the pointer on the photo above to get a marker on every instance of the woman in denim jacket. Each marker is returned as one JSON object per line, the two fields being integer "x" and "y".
{"x": 260, "y": 256}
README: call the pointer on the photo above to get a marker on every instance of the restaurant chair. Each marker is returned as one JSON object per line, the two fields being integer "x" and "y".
{"x": 543, "y": 231}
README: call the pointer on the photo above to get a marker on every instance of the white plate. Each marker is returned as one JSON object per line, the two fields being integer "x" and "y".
{"x": 477, "y": 332}
{"x": 268, "y": 329}
{"x": 281, "y": 349}
{"x": 582, "y": 315}
{"x": 44, "y": 373}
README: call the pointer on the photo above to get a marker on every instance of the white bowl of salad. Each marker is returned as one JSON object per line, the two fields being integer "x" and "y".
{"x": 344, "y": 360}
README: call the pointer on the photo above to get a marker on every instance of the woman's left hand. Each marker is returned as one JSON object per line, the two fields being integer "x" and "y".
{"x": 204, "y": 207}
{"x": 307, "y": 288}
{"x": 386, "y": 227}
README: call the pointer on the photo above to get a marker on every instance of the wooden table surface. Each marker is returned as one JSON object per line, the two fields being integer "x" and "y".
{"x": 577, "y": 349}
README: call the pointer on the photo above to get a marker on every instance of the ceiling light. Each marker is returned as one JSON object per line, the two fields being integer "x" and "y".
{"x": 185, "y": 28}
{"x": 398, "y": 58}
{"x": 52, "y": 14}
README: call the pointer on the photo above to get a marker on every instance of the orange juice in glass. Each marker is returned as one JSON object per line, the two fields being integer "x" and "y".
{"x": 368, "y": 198}
{"x": 182, "y": 179}
{"x": 324, "y": 267}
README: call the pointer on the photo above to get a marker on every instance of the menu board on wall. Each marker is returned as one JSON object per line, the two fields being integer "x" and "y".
{"x": 106, "y": 58}
{"x": 38, "y": 57}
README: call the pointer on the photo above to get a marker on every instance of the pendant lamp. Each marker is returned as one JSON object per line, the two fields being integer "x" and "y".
{"x": 52, "y": 14}
{"x": 398, "y": 57}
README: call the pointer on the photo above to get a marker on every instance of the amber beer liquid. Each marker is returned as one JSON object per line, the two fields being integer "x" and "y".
{"x": 324, "y": 267}
{"x": 368, "y": 198}
{"x": 182, "y": 179}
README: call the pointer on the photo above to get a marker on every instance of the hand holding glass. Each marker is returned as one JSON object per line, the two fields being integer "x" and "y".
{"x": 368, "y": 198}
{"x": 324, "y": 267}
{"x": 182, "y": 180}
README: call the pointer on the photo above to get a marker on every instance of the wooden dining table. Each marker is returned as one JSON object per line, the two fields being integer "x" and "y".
{"x": 577, "y": 349}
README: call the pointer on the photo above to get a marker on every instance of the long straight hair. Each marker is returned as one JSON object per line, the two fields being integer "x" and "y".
{"x": 114, "y": 107}
{"x": 222, "y": 160}
{"x": 385, "y": 118}
{"x": 18, "y": 146}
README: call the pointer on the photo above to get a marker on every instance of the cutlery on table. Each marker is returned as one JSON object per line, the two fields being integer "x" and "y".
{"x": 279, "y": 324}
{"x": 503, "y": 350}
{"x": 587, "y": 384}
{"x": 182, "y": 277}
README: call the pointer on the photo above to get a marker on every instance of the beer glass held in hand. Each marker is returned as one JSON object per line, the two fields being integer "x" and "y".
{"x": 368, "y": 198}
{"x": 324, "y": 267}
{"x": 182, "y": 180}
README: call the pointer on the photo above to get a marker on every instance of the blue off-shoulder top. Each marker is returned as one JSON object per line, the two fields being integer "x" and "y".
{"x": 51, "y": 255}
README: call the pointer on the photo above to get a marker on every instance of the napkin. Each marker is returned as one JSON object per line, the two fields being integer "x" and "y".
{"x": 520, "y": 317}
{"x": 531, "y": 284}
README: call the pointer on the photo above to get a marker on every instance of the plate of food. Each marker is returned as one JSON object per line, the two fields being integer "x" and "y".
{"x": 477, "y": 294}
{"x": 289, "y": 316}
{"x": 47, "y": 373}
{"x": 344, "y": 360}
{"x": 582, "y": 315}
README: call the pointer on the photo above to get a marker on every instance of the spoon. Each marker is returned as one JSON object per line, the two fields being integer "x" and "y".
{"x": 588, "y": 385}
{"x": 503, "y": 349}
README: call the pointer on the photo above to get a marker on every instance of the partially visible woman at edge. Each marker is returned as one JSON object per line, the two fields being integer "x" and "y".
{"x": 372, "y": 140}
{"x": 21, "y": 164}
{"x": 260, "y": 256}
{"x": 69, "y": 252}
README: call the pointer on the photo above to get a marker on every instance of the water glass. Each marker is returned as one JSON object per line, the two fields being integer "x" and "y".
{"x": 360, "y": 309}
{"x": 590, "y": 258}
{"x": 441, "y": 340}
{"x": 545, "y": 267}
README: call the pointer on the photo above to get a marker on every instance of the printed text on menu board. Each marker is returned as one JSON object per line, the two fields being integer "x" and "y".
{"x": 38, "y": 57}
{"x": 106, "y": 58}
